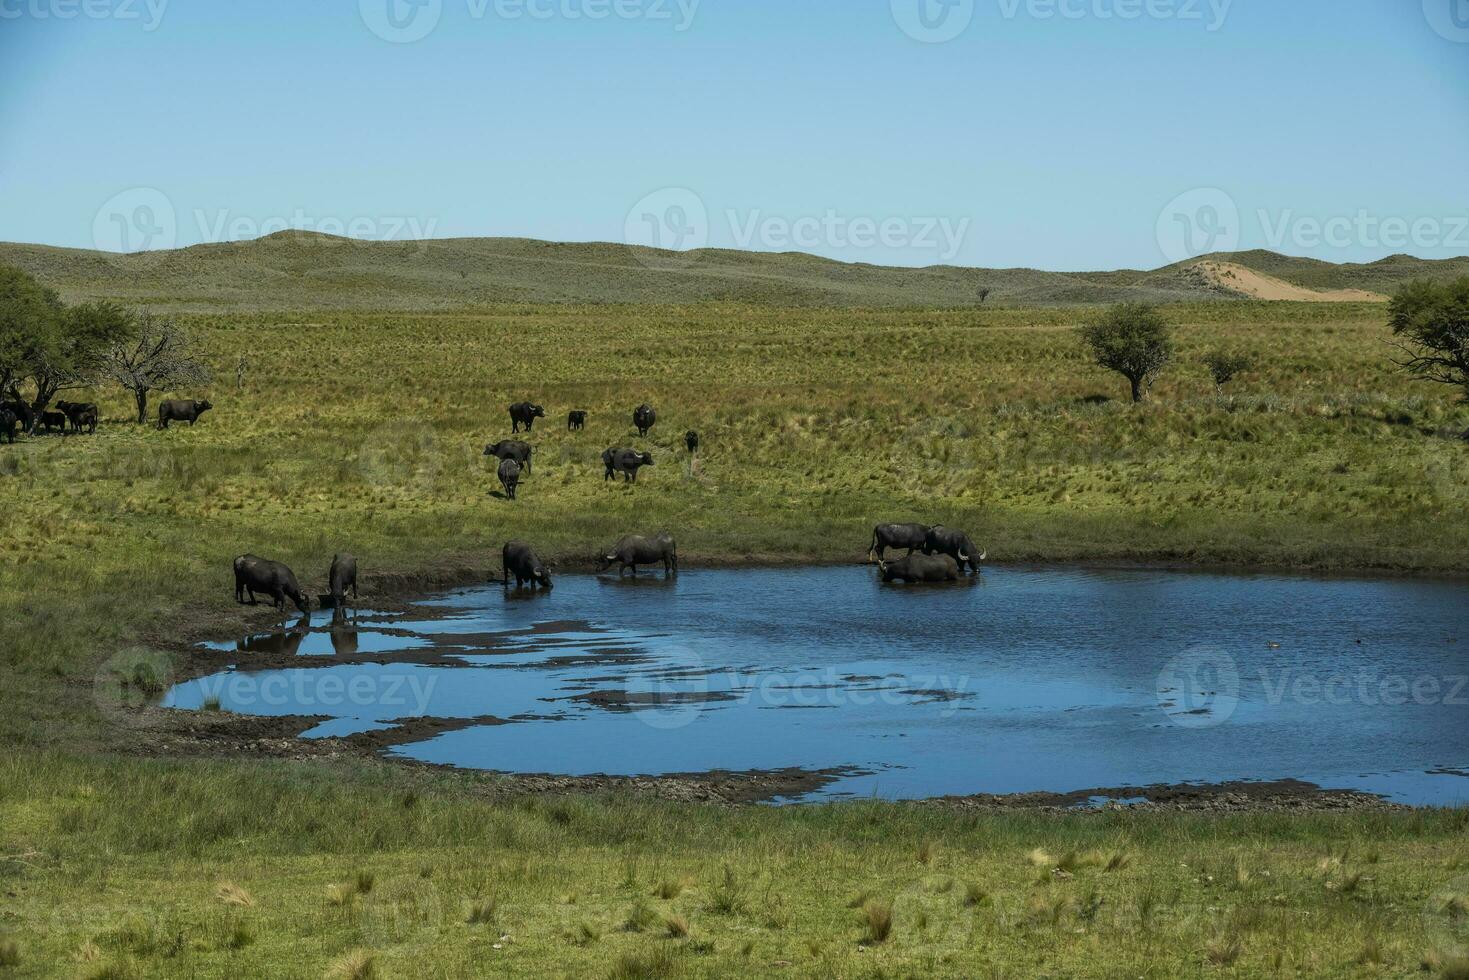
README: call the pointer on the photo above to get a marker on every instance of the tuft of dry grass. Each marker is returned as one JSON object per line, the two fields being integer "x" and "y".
{"x": 639, "y": 917}
{"x": 974, "y": 894}
{"x": 877, "y": 922}
{"x": 359, "y": 964}
{"x": 676, "y": 926}
{"x": 1224, "y": 949}
{"x": 233, "y": 895}
{"x": 656, "y": 964}
{"x": 668, "y": 888}
{"x": 9, "y": 954}
{"x": 481, "y": 912}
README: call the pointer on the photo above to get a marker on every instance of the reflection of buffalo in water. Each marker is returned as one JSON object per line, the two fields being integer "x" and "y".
{"x": 344, "y": 634}
{"x": 286, "y": 644}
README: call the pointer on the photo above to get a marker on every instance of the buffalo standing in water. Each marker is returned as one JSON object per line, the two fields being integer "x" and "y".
{"x": 524, "y": 413}
{"x": 885, "y": 536}
{"x": 520, "y": 560}
{"x": 920, "y": 568}
{"x": 509, "y": 476}
{"x": 625, "y": 461}
{"x": 635, "y": 550}
{"x": 576, "y": 421}
{"x": 343, "y": 577}
{"x": 181, "y": 410}
{"x": 511, "y": 449}
{"x": 956, "y": 544}
{"x": 254, "y": 574}
{"x": 644, "y": 418}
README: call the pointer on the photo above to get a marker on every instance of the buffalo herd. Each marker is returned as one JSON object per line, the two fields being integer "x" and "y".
{"x": 75, "y": 418}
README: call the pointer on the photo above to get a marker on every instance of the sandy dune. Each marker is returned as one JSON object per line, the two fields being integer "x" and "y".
{"x": 1257, "y": 285}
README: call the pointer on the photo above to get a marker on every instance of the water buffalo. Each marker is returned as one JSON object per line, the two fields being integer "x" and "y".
{"x": 524, "y": 413}
{"x": 343, "y": 577}
{"x": 509, "y": 476}
{"x": 7, "y": 424}
{"x": 920, "y": 568}
{"x": 644, "y": 418}
{"x": 691, "y": 439}
{"x": 635, "y": 550}
{"x": 25, "y": 416}
{"x": 955, "y": 544}
{"x": 79, "y": 414}
{"x": 520, "y": 560}
{"x": 625, "y": 461}
{"x": 885, "y": 536}
{"x": 511, "y": 449}
{"x": 576, "y": 421}
{"x": 254, "y": 574}
{"x": 55, "y": 420}
{"x": 181, "y": 410}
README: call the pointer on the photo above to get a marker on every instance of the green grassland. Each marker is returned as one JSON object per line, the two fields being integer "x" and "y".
{"x": 363, "y": 431}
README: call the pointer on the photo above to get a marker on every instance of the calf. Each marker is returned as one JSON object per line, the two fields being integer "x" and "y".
{"x": 79, "y": 414}
{"x": 55, "y": 420}
{"x": 644, "y": 418}
{"x": 509, "y": 476}
{"x": 576, "y": 421}
{"x": 691, "y": 439}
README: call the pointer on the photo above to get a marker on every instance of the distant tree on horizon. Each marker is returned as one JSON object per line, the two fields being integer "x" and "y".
{"x": 1132, "y": 339}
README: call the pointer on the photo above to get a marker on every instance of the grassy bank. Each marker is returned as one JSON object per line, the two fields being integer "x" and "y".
{"x": 364, "y": 432}
{"x": 195, "y": 869}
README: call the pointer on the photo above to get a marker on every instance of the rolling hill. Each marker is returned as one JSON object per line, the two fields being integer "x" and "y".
{"x": 303, "y": 270}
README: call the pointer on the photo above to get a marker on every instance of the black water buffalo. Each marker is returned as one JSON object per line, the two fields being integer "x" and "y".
{"x": 7, "y": 424}
{"x": 885, "y": 536}
{"x": 79, "y": 414}
{"x": 625, "y": 461}
{"x": 25, "y": 416}
{"x": 576, "y": 421}
{"x": 55, "y": 420}
{"x": 644, "y": 418}
{"x": 635, "y": 550}
{"x": 524, "y": 413}
{"x": 955, "y": 544}
{"x": 511, "y": 449}
{"x": 691, "y": 439}
{"x": 181, "y": 410}
{"x": 343, "y": 577}
{"x": 920, "y": 568}
{"x": 509, "y": 476}
{"x": 521, "y": 561}
{"x": 254, "y": 574}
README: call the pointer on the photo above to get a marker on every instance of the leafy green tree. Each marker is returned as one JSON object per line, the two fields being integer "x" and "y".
{"x": 1223, "y": 366}
{"x": 85, "y": 336}
{"x": 30, "y": 316}
{"x": 1431, "y": 322}
{"x": 1132, "y": 339}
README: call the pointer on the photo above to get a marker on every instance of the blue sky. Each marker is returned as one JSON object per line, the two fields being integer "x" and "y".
{"x": 1061, "y": 134}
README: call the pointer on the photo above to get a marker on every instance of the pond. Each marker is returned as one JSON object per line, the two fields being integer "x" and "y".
{"x": 1026, "y": 679}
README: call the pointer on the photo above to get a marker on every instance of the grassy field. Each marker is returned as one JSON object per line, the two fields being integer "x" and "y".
{"x": 364, "y": 432}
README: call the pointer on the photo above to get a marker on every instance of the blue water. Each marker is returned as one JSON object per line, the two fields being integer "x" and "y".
{"x": 1024, "y": 680}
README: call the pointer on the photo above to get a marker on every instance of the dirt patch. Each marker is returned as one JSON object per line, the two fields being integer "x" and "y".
{"x": 1283, "y": 794}
{"x": 1239, "y": 280}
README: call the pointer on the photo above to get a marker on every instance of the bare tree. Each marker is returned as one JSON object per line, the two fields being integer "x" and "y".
{"x": 160, "y": 356}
